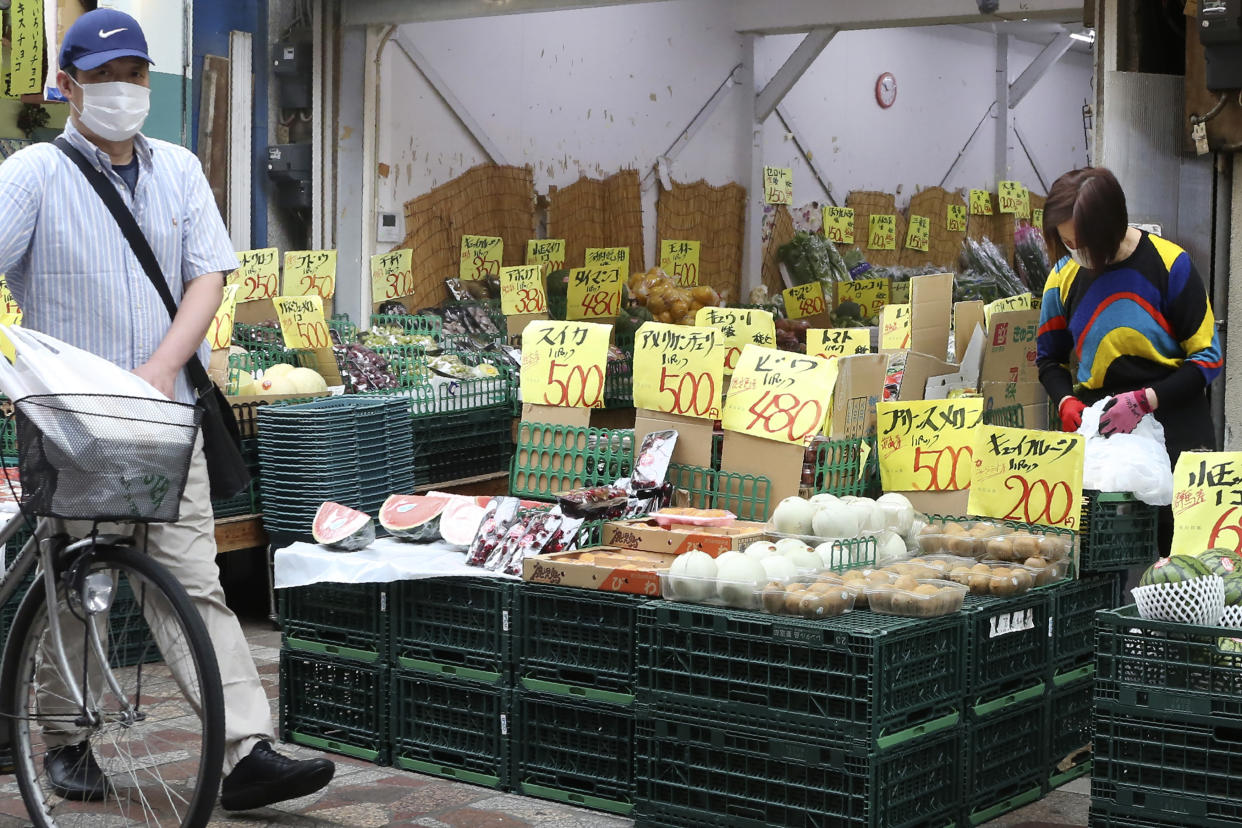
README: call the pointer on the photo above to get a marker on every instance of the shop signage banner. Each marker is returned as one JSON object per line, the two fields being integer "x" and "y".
{"x": 594, "y": 293}
{"x": 895, "y": 327}
{"x": 220, "y": 334}
{"x": 481, "y": 257}
{"x": 679, "y": 370}
{"x": 955, "y": 219}
{"x": 927, "y": 445}
{"x": 1207, "y": 502}
{"x": 740, "y": 327}
{"x": 839, "y": 224}
{"x": 980, "y": 203}
{"x": 870, "y": 294}
{"x": 546, "y": 251}
{"x": 778, "y": 395}
{"x": 918, "y": 233}
{"x": 802, "y": 301}
{"x": 778, "y": 185}
{"x": 883, "y": 232}
{"x": 302, "y": 323}
{"x": 1028, "y": 476}
{"x": 610, "y": 257}
{"x": 563, "y": 363}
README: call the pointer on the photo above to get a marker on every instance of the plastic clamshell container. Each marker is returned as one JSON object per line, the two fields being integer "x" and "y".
{"x": 943, "y": 564}
{"x": 889, "y": 600}
{"x": 821, "y": 596}
{"x": 1050, "y": 574}
{"x": 1017, "y": 546}
{"x": 962, "y": 539}
{"x": 997, "y": 579}
{"x": 714, "y": 591}
{"x": 858, "y": 585}
{"x": 690, "y": 518}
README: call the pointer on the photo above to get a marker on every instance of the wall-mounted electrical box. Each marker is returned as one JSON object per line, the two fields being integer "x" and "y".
{"x": 389, "y": 229}
{"x": 1220, "y": 32}
{"x": 292, "y": 67}
{"x": 289, "y": 166}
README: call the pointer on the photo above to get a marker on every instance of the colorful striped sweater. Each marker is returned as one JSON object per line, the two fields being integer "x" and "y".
{"x": 1143, "y": 322}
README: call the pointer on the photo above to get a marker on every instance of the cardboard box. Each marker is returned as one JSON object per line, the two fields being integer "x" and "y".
{"x": 966, "y": 317}
{"x": 1011, "y": 350}
{"x": 517, "y": 324}
{"x": 694, "y": 435}
{"x": 860, "y": 385}
{"x": 648, "y": 536}
{"x": 919, "y": 369}
{"x": 1030, "y": 395}
{"x": 605, "y": 568}
{"x": 931, "y": 306}
{"x": 780, "y": 463}
{"x": 939, "y": 503}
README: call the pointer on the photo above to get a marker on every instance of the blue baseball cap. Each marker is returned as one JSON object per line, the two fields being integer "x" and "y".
{"x": 100, "y": 36}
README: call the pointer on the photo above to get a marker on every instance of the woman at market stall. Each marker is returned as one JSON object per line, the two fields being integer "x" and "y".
{"x": 1127, "y": 311}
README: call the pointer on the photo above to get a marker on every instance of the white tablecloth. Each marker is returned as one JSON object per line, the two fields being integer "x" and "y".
{"x": 383, "y": 561}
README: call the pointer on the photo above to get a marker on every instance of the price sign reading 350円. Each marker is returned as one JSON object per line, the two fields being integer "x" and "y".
{"x": 563, "y": 363}
{"x": 679, "y": 370}
{"x": 481, "y": 257}
{"x": 1207, "y": 502}
{"x": 778, "y": 395}
{"x": 927, "y": 445}
{"x": 1027, "y": 476}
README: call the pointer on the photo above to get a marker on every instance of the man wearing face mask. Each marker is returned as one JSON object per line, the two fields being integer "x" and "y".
{"x": 75, "y": 277}
{"x": 1129, "y": 310}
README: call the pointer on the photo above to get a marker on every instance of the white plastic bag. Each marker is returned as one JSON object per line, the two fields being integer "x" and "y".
{"x": 45, "y": 365}
{"x": 1137, "y": 463}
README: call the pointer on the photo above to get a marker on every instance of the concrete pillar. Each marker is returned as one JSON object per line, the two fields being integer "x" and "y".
{"x": 1233, "y": 314}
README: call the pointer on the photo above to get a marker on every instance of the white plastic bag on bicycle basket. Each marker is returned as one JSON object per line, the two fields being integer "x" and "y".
{"x": 1137, "y": 463}
{"x": 45, "y": 365}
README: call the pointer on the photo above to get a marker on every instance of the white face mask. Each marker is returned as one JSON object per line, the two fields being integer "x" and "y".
{"x": 114, "y": 111}
{"x": 1080, "y": 256}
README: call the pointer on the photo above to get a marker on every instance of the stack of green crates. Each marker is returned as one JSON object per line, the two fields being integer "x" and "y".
{"x": 1117, "y": 531}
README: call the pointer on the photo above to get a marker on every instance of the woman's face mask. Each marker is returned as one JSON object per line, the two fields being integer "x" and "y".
{"x": 1079, "y": 255}
{"x": 114, "y": 110}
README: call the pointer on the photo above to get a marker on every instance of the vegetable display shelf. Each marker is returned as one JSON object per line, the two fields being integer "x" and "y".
{"x": 1070, "y": 725}
{"x": 346, "y": 331}
{"x": 461, "y": 444}
{"x": 839, "y": 467}
{"x": 426, "y": 325}
{"x": 745, "y": 495}
{"x": 1074, "y": 604}
{"x": 335, "y": 705}
{"x": 1008, "y": 416}
{"x": 1007, "y": 643}
{"x": 1117, "y": 531}
{"x": 453, "y": 627}
{"x": 345, "y": 620}
{"x": 549, "y": 459}
{"x": 1004, "y": 767}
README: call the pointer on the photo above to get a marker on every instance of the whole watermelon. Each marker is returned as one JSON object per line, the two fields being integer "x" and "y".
{"x": 1222, "y": 562}
{"x": 1174, "y": 569}
{"x": 1233, "y": 589}
{"x": 1230, "y": 652}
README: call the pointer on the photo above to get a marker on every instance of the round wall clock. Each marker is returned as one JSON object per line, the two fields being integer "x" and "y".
{"x": 885, "y": 90}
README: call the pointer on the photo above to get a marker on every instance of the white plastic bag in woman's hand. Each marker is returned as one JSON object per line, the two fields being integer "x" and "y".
{"x": 1137, "y": 463}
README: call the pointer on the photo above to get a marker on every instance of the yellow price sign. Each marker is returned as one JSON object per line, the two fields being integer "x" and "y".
{"x": 802, "y": 301}
{"x": 257, "y": 275}
{"x": 1010, "y": 196}
{"x": 883, "y": 232}
{"x": 310, "y": 271}
{"x": 1207, "y": 502}
{"x": 1028, "y": 476}
{"x": 481, "y": 257}
{"x": 606, "y": 257}
{"x": 220, "y": 334}
{"x": 740, "y": 327}
{"x": 8, "y": 304}
{"x": 679, "y": 370}
{"x": 869, "y": 294}
{"x": 837, "y": 342}
{"x": 778, "y": 395}
{"x": 392, "y": 275}
{"x": 546, "y": 251}
{"x": 522, "y": 291}
{"x": 980, "y": 203}
{"x": 918, "y": 233}
{"x": 839, "y": 224}
{"x": 302, "y": 323}
{"x": 594, "y": 293}
{"x": 955, "y": 219}
{"x": 563, "y": 363}
{"x": 1009, "y": 303}
{"x": 680, "y": 260}
{"x": 26, "y": 47}
{"x": 1037, "y": 217}
{"x": 895, "y": 327}
{"x": 777, "y": 185}
{"x": 927, "y": 445}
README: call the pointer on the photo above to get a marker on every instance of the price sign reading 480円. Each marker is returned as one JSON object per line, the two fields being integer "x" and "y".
{"x": 1027, "y": 476}
{"x": 679, "y": 370}
{"x": 563, "y": 363}
{"x": 927, "y": 445}
{"x": 1207, "y": 502}
{"x": 778, "y": 395}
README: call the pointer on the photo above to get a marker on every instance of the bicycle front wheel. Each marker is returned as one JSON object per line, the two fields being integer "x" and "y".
{"x": 153, "y": 716}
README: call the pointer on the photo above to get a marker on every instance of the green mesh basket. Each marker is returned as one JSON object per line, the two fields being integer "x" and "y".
{"x": 745, "y": 495}
{"x": 552, "y": 459}
{"x": 260, "y": 358}
{"x": 839, "y": 467}
{"x": 345, "y": 329}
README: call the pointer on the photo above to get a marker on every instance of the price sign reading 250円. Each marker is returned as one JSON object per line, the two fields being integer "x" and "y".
{"x": 927, "y": 445}
{"x": 679, "y": 370}
{"x": 1027, "y": 476}
{"x": 1207, "y": 502}
{"x": 257, "y": 276}
{"x": 563, "y": 363}
{"x": 778, "y": 395}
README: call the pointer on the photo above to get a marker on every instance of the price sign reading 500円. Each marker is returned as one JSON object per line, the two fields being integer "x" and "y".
{"x": 563, "y": 363}
{"x": 1028, "y": 476}
{"x": 1207, "y": 502}
{"x": 927, "y": 445}
{"x": 779, "y": 395}
{"x": 301, "y": 322}
{"x": 680, "y": 260}
{"x": 594, "y": 293}
{"x": 740, "y": 327}
{"x": 679, "y": 370}
{"x": 257, "y": 275}
{"x": 392, "y": 275}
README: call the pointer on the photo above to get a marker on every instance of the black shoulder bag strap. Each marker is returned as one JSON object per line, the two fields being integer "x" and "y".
{"x": 221, "y": 437}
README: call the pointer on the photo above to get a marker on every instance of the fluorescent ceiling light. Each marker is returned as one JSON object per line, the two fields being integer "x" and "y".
{"x": 1086, "y": 37}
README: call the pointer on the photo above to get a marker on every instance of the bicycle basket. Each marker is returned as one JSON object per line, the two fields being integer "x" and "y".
{"x": 104, "y": 458}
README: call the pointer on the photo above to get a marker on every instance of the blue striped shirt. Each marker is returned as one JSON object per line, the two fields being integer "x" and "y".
{"x": 71, "y": 270}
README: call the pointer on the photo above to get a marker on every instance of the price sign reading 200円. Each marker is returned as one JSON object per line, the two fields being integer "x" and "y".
{"x": 927, "y": 445}
{"x": 679, "y": 369}
{"x": 563, "y": 363}
{"x": 1027, "y": 476}
{"x": 778, "y": 395}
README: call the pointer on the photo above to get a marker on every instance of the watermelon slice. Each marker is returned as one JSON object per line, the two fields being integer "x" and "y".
{"x": 459, "y": 522}
{"x": 340, "y": 527}
{"x": 413, "y": 518}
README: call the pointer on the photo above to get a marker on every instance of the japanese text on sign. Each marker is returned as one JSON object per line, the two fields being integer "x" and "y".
{"x": 955, "y": 220}
{"x": 392, "y": 275}
{"x": 1207, "y": 502}
{"x": 522, "y": 291}
{"x": 980, "y": 203}
{"x": 26, "y": 48}
{"x": 679, "y": 370}
{"x": 927, "y": 445}
{"x": 1027, "y": 476}
{"x": 870, "y": 294}
{"x": 302, "y": 323}
{"x": 610, "y": 257}
{"x": 1037, "y": 217}
{"x": 895, "y": 327}
{"x": 839, "y": 224}
{"x": 220, "y": 334}
{"x": 918, "y": 234}
{"x": 883, "y": 232}
{"x": 257, "y": 275}
{"x": 546, "y": 251}
{"x": 1009, "y": 303}
{"x": 680, "y": 260}
{"x": 594, "y": 292}
{"x": 778, "y": 395}
{"x": 740, "y": 327}
{"x": 802, "y": 301}
{"x": 310, "y": 271}
{"x": 563, "y": 363}
{"x": 838, "y": 342}
{"x": 777, "y": 185}
{"x": 1013, "y": 198}
{"x": 480, "y": 257}
{"x": 9, "y": 309}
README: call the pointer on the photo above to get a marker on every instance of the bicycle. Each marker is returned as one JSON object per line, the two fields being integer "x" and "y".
{"x": 151, "y": 707}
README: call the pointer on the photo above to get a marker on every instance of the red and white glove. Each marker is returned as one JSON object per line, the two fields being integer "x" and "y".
{"x": 1123, "y": 412}
{"x": 1071, "y": 409}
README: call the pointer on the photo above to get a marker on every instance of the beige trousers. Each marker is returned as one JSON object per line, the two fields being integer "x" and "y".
{"x": 188, "y": 550}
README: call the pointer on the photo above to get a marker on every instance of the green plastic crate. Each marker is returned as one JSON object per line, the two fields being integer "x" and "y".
{"x": 451, "y": 728}
{"x": 260, "y": 359}
{"x": 341, "y": 620}
{"x": 1070, "y": 725}
{"x": 412, "y": 324}
{"x": 1009, "y": 416}
{"x": 1114, "y": 817}
{"x": 1074, "y": 605}
{"x": 839, "y": 467}
{"x": 453, "y": 627}
{"x": 859, "y": 680}
{"x": 619, "y": 384}
{"x": 575, "y": 752}
{"x": 1004, "y": 753}
{"x": 1007, "y": 643}
{"x": 1117, "y": 532}
{"x": 344, "y": 328}
{"x": 746, "y": 495}
{"x": 335, "y": 705}
{"x": 550, "y": 459}
{"x": 698, "y": 772}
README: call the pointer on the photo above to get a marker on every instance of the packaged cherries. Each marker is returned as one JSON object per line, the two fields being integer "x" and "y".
{"x": 498, "y": 515}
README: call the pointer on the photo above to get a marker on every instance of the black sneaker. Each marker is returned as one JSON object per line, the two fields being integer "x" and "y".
{"x": 74, "y": 774}
{"x": 265, "y": 777}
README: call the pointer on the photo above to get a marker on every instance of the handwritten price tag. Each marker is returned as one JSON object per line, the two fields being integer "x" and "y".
{"x": 837, "y": 342}
{"x": 802, "y": 301}
{"x": 1207, "y": 502}
{"x": 679, "y": 370}
{"x": 521, "y": 290}
{"x": 302, "y": 323}
{"x": 392, "y": 275}
{"x": 546, "y": 251}
{"x": 779, "y": 395}
{"x": 26, "y": 50}
{"x": 310, "y": 271}
{"x": 480, "y": 257}
{"x": 883, "y": 232}
{"x": 1024, "y": 204}
{"x": 1028, "y": 476}
{"x": 895, "y": 327}
{"x": 1009, "y": 194}
{"x": 594, "y": 292}
{"x": 777, "y": 185}
{"x": 680, "y": 260}
{"x": 605, "y": 257}
{"x": 9, "y": 309}
{"x": 927, "y": 445}
{"x": 257, "y": 275}
{"x": 918, "y": 233}
{"x": 1037, "y": 217}
{"x": 563, "y": 363}
{"x": 1009, "y": 303}
{"x": 220, "y": 334}
{"x": 980, "y": 203}
{"x": 740, "y": 327}
{"x": 869, "y": 294}
{"x": 955, "y": 219}
{"x": 839, "y": 224}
